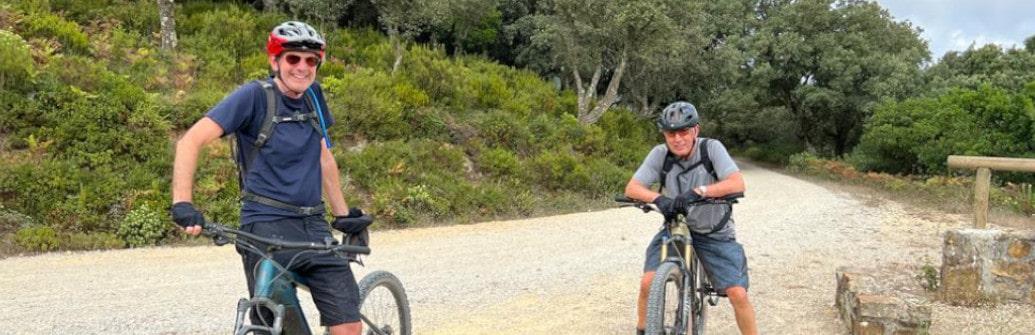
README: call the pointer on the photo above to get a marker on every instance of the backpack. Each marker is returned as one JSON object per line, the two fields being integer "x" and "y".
{"x": 670, "y": 162}
{"x": 244, "y": 159}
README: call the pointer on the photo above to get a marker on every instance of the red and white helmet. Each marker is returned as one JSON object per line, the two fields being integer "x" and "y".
{"x": 295, "y": 36}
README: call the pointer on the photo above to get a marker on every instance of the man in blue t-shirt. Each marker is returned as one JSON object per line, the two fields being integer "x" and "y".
{"x": 285, "y": 168}
{"x": 691, "y": 177}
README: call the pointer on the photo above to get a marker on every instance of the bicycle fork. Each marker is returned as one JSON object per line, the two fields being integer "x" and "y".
{"x": 679, "y": 240}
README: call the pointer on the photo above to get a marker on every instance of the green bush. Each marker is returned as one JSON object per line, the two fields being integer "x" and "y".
{"x": 37, "y": 238}
{"x": 44, "y": 24}
{"x": 143, "y": 226}
{"x": 560, "y": 170}
{"x": 365, "y": 102}
{"x": 92, "y": 241}
{"x": 499, "y": 163}
{"x": 917, "y": 135}
{"x": 11, "y": 221}
{"x": 15, "y": 61}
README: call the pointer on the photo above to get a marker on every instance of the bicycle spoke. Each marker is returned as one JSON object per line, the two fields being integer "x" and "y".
{"x": 381, "y": 311}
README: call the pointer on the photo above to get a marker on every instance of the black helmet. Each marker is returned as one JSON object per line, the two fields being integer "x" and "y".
{"x": 678, "y": 115}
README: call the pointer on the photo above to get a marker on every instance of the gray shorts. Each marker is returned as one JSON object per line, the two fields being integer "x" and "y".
{"x": 723, "y": 258}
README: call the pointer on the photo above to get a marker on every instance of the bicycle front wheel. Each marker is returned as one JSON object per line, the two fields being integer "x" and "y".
{"x": 665, "y": 312}
{"x": 700, "y": 304}
{"x": 383, "y": 305}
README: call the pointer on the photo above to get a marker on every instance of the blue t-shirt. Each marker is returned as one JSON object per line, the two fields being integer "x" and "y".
{"x": 287, "y": 168}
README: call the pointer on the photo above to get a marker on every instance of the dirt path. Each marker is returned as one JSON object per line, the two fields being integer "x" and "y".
{"x": 571, "y": 274}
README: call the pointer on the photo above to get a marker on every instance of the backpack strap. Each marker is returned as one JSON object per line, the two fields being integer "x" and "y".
{"x": 670, "y": 161}
{"x": 271, "y": 112}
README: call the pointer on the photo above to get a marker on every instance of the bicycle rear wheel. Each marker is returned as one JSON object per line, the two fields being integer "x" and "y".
{"x": 665, "y": 312}
{"x": 383, "y": 305}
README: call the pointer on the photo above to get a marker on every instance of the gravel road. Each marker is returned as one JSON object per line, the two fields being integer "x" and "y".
{"x": 568, "y": 274}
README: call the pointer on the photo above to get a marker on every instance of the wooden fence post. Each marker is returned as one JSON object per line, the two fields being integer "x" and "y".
{"x": 984, "y": 167}
{"x": 981, "y": 185}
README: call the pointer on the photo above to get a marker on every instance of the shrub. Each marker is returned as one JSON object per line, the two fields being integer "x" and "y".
{"x": 11, "y": 221}
{"x": 143, "y": 226}
{"x": 917, "y": 135}
{"x": 37, "y": 238}
{"x": 15, "y": 61}
{"x": 559, "y": 170}
{"x": 366, "y": 104}
{"x": 93, "y": 241}
{"x": 499, "y": 163}
{"x": 44, "y": 24}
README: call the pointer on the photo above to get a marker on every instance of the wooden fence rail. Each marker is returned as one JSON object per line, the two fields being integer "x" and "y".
{"x": 984, "y": 167}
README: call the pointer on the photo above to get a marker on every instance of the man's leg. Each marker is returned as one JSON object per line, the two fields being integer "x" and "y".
{"x": 641, "y": 303}
{"x": 650, "y": 264}
{"x": 742, "y": 309}
{"x": 351, "y": 328}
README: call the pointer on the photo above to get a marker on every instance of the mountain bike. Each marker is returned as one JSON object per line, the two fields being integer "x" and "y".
{"x": 680, "y": 288}
{"x": 384, "y": 308}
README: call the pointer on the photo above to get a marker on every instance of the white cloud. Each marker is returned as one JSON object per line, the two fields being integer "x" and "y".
{"x": 958, "y": 24}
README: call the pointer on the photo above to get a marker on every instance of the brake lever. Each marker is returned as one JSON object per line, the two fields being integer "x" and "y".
{"x": 220, "y": 240}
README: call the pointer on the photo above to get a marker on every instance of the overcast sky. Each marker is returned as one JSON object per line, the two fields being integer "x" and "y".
{"x": 955, "y": 24}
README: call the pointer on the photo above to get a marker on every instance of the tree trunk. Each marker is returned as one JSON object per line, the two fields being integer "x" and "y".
{"x": 586, "y": 95}
{"x": 609, "y": 96}
{"x": 397, "y": 49}
{"x": 168, "y": 22}
{"x": 269, "y": 5}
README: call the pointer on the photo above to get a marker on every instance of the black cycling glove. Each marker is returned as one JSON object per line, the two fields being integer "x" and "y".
{"x": 667, "y": 206}
{"x": 185, "y": 215}
{"x": 355, "y": 222}
{"x": 683, "y": 200}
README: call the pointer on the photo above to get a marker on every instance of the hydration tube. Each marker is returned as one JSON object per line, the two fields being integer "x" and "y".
{"x": 319, "y": 115}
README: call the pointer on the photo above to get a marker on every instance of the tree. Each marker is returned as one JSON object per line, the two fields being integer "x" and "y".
{"x": 168, "y": 21}
{"x": 402, "y": 19}
{"x": 323, "y": 11}
{"x": 600, "y": 37}
{"x": 468, "y": 24}
{"x": 974, "y": 67}
{"x": 829, "y": 62}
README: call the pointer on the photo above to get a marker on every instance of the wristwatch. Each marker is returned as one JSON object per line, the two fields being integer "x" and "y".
{"x": 703, "y": 190}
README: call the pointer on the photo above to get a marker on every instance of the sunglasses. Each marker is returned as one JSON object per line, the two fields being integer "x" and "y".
{"x": 294, "y": 59}
{"x": 673, "y": 133}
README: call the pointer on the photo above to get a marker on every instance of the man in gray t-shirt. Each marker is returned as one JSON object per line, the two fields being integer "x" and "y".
{"x": 689, "y": 179}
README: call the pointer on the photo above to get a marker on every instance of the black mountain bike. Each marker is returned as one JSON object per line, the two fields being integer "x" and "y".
{"x": 384, "y": 308}
{"x": 680, "y": 288}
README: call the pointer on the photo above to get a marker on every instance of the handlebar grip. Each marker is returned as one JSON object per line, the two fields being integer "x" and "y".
{"x": 622, "y": 198}
{"x": 732, "y": 196}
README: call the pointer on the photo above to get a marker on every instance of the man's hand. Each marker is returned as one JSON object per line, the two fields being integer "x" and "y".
{"x": 683, "y": 200}
{"x": 186, "y": 216}
{"x": 356, "y": 221}
{"x": 667, "y": 206}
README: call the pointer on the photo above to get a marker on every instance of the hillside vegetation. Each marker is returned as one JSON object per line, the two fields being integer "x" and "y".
{"x": 460, "y": 110}
{"x": 92, "y": 109}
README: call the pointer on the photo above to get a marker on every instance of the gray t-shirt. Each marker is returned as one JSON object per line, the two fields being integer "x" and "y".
{"x": 679, "y": 180}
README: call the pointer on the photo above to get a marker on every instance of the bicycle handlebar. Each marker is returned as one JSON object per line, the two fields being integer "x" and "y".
{"x": 647, "y": 207}
{"x": 219, "y": 234}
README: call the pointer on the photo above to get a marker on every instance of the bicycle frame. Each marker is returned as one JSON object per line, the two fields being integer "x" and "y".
{"x": 274, "y": 284}
{"x": 275, "y": 291}
{"x": 694, "y": 287}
